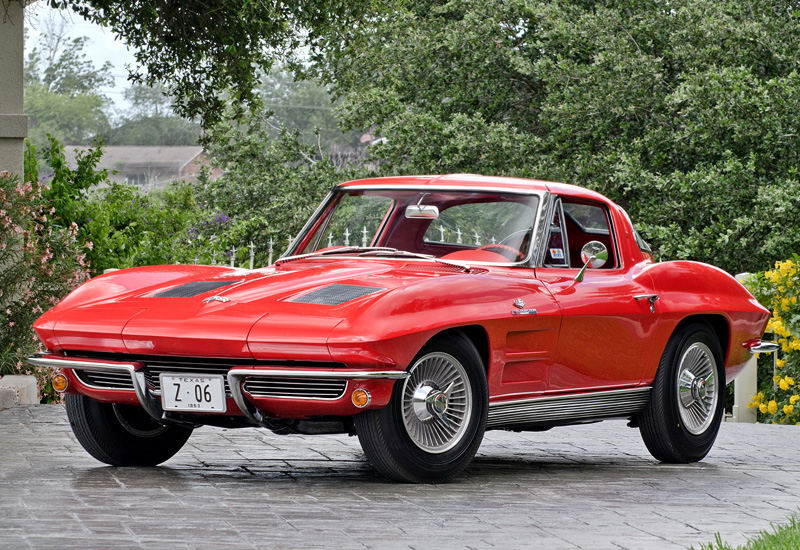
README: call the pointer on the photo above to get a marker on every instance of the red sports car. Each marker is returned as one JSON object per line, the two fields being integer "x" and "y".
{"x": 416, "y": 313}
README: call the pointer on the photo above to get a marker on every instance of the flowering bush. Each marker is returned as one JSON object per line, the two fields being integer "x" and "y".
{"x": 40, "y": 262}
{"x": 778, "y": 290}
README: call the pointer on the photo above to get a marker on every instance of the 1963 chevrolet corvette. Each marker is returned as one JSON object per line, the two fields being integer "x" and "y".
{"x": 416, "y": 313}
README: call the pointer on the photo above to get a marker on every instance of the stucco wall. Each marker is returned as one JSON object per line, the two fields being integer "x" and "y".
{"x": 13, "y": 123}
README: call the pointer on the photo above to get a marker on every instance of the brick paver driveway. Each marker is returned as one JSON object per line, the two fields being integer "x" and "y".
{"x": 591, "y": 487}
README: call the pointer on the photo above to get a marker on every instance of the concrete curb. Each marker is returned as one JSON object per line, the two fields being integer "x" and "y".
{"x": 18, "y": 390}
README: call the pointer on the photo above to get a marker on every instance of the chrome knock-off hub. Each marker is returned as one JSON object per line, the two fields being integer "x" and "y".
{"x": 428, "y": 401}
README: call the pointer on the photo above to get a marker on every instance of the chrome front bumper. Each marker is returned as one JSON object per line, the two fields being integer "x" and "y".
{"x": 762, "y": 346}
{"x": 236, "y": 377}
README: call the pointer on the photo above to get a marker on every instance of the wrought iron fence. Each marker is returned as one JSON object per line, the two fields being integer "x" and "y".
{"x": 345, "y": 238}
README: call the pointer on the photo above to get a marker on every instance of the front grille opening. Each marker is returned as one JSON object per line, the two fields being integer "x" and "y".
{"x": 105, "y": 379}
{"x": 295, "y": 388}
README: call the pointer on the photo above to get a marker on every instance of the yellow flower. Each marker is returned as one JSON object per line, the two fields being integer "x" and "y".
{"x": 789, "y": 380}
{"x": 763, "y": 408}
{"x": 776, "y": 378}
{"x": 756, "y": 401}
{"x": 787, "y": 409}
{"x": 784, "y": 385}
{"x": 794, "y": 399}
{"x": 772, "y": 407}
{"x": 780, "y": 363}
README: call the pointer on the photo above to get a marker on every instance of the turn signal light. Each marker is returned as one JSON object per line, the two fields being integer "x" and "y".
{"x": 60, "y": 382}
{"x": 361, "y": 398}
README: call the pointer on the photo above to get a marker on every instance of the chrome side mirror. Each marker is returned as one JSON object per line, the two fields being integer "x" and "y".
{"x": 594, "y": 254}
{"x": 422, "y": 211}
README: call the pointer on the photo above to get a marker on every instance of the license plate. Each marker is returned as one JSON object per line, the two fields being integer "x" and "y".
{"x": 193, "y": 393}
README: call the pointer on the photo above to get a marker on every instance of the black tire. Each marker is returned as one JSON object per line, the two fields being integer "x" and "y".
{"x": 122, "y": 435}
{"x": 427, "y": 434}
{"x": 687, "y": 402}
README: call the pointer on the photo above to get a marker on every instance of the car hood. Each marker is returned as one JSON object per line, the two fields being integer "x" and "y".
{"x": 282, "y": 313}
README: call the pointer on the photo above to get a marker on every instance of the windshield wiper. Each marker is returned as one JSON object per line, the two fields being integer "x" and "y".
{"x": 341, "y": 250}
{"x": 375, "y": 251}
{"x": 394, "y": 253}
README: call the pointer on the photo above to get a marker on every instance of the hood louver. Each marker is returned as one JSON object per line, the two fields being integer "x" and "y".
{"x": 336, "y": 294}
{"x": 192, "y": 289}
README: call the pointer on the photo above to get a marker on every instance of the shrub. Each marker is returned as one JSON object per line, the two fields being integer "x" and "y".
{"x": 778, "y": 290}
{"x": 40, "y": 262}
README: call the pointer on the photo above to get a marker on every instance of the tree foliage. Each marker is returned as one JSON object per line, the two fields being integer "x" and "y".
{"x": 207, "y": 53}
{"x": 305, "y": 106}
{"x": 684, "y": 112}
{"x": 40, "y": 261}
{"x": 61, "y": 90}
{"x": 150, "y": 119}
{"x": 270, "y": 187}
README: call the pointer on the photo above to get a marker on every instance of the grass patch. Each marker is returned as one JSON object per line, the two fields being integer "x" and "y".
{"x": 782, "y": 537}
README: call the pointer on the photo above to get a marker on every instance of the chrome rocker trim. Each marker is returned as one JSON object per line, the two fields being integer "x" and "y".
{"x": 236, "y": 376}
{"x": 543, "y": 411}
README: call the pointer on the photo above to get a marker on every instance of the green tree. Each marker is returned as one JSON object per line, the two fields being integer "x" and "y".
{"x": 150, "y": 120}
{"x": 270, "y": 187}
{"x": 209, "y": 54}
{"x": 303, "y": 105}
{"x": 61, "y": 84}
{"x": 684, "y": 112}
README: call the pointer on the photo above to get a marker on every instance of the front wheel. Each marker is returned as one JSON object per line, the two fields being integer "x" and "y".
{"x": 122, "y": 435}
{"x": 682, "y": 418}
{"x": 435, "y": 420}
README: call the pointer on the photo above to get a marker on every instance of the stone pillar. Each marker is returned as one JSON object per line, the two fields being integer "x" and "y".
{"x": 13, "y": 122}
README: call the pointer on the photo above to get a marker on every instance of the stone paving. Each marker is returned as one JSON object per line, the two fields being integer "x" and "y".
{"x": 591, "y": 487}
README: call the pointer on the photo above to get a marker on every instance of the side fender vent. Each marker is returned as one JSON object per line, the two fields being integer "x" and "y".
{"x": 192, "y": 289}
{"x": 334, "y": 295}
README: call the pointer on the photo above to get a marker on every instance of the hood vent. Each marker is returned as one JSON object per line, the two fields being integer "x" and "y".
{"x": 192, "y": 289}
{"x": 336, "y": 294}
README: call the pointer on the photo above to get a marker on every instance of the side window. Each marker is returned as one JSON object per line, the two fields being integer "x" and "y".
{"x": 557, "y": 252}
{"x": 584, "y": 222}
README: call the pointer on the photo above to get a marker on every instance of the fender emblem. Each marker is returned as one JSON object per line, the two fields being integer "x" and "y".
{"x": 216, "y": 299}
{"x": 520, "y": 304}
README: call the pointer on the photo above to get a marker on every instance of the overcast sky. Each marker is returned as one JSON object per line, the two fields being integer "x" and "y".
{"x": 102, "y": 46}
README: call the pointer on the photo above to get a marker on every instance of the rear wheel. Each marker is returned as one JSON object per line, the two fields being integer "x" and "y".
{"x": 682, "y": 418}
{"x": 122, "y": 435}
{"x": 435, "y": 420}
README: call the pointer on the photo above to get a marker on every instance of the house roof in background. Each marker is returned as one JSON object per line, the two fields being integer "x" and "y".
{"x": 171, "y": 158}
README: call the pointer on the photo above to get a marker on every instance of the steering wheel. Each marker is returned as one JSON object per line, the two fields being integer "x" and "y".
{"x": 515, "y": 256}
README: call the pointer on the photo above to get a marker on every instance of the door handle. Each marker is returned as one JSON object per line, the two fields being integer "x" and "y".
{"x": 650, "y": 298}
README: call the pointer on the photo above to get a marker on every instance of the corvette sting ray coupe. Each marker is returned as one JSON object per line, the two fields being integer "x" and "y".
{"x": 415, "y": 313}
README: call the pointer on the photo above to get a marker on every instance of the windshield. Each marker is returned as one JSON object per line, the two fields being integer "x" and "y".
{"x": 475, "y": 227}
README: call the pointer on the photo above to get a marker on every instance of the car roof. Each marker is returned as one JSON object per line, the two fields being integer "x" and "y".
{"x": 478, "y": 182}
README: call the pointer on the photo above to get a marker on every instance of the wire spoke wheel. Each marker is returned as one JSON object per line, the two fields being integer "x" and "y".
{"x": 697, "y": 388}
{"x": 435, "y": 420}
{"x": 682, "y": 417}
{"x": 437, "y": 402}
